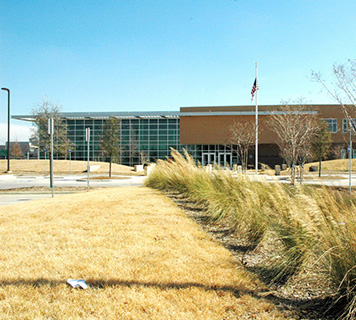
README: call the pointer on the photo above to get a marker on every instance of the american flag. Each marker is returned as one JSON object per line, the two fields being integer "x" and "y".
{"x": 254, "y": 89}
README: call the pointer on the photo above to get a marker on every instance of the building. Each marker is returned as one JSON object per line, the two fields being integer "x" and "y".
{"x": 144, "y": 135}
{"x": 25, "y": 146}
{"x": 202, "y": 131}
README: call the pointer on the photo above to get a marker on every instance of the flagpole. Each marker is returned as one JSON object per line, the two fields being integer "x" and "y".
{"x": 256, "y": 125}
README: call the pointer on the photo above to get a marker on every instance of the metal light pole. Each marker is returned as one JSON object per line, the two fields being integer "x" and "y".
{"x": 70, "y": 161}
{"x": 50, "y": 132}
{"x": 87, "y": 138}
{"x": 350, "y": 161}
{"x": 8, "y": 128}
{"x": 45, "y": 152}
{"x": 352, "y": 128}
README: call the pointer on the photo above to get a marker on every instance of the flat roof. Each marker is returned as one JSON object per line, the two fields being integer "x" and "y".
{"x": 106, "y": 115}
{"x": 185, "y": 112}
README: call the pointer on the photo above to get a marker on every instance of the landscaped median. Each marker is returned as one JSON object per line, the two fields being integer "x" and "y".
{"x": 140, "y": 255}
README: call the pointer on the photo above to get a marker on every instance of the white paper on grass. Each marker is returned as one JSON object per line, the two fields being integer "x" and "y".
{"x": 77, "y": 283}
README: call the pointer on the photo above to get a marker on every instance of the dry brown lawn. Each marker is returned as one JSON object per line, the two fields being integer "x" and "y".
{"x": 140, "y": 255}
{"x": 336, "y": 165}
{"x": 63, "y": 167}
{"x": 329, "y": 166}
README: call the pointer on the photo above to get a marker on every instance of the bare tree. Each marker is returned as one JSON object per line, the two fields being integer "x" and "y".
{"x": 336, "y": 151}
{"x": 295, "y": 127}
{"x": 144, "y": 157}
{"x": 16, "y": 151}
{"x": 242, "y": 134}
{"x": 111, "y": 139}
{"x": 133, "y": 145}
{"x": 42, "y": 112}
{"x": 321, "y": 143}
{"x": 343, "y": 90}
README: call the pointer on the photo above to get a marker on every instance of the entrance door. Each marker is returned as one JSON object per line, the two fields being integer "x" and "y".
{"x": 228, "y": 160}
{"x": 221, "y": 159}
{"x": 208, "y": 158}
{"x": 225, "y": 159}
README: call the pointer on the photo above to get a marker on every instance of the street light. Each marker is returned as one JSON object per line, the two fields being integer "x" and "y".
{"x": 8, "y": 128}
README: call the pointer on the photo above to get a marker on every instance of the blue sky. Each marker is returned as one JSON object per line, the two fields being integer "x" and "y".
{"x": 140, "y": 55}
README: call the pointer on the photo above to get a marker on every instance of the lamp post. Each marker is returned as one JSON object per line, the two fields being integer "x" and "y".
{"x": 50, "y": 132}
{"x": 87, "y": 138}
{"x": 8, "y": 128}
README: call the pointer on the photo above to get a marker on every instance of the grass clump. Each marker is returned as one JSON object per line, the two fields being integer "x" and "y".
{"x": 309, "y": 225}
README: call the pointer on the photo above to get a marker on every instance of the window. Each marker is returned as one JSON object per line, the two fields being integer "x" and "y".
{"x": 345, "y": 125}
{"x": 332, "y": 125}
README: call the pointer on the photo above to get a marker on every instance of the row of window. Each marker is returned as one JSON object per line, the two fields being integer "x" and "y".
{"x": 151, "y": 137}
{"x": 332, "y": 125}
{"x": 346, "y": 123}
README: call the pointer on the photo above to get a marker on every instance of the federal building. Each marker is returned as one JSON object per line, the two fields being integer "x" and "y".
{"x": 202, "y": 131}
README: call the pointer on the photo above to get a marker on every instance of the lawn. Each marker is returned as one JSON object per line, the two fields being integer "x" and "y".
{"x": 140, "y": 255}
{"x": 64, "y": 167}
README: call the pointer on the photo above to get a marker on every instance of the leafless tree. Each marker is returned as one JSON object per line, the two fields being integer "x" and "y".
{"x": 42, "y": 112}
{"x": 242, "y": 135}
{"x": 343, "y": 90}
{"x": 337, "y": 150}
{"x": 111, "y": 140}
{"x": 133, "y": 145}
{"x": 144, "y": 157}
{"x": 321, "y": 143}
{"x": 295, "y": 127}
{"x": 16, "y": 151}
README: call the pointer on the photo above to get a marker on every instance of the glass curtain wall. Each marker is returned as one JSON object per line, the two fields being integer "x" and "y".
{"x": 141, "y": 140}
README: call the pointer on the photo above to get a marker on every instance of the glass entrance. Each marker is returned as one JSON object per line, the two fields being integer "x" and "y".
{"x": 225, "y": 160}
{"x": 208, "y": 158}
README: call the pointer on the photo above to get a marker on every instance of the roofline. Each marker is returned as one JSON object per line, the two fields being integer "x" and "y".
{"x": 170, "y": 114}
{"x": 165, "y": 116}
{"x": 106, "y": 115}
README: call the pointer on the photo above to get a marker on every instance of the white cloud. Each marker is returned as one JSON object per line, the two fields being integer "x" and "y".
{"x": 17, "y": 132}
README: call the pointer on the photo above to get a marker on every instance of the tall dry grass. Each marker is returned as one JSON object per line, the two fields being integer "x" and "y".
{"x": 308, "y": 224}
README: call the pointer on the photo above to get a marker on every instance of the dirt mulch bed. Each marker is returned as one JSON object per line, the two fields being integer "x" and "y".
{"x": 308, "y": 295}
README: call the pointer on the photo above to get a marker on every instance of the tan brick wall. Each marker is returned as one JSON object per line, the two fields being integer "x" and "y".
{"x": 215, "y": 129}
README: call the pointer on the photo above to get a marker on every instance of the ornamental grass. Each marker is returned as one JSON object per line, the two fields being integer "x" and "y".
{"x": 308, "y": 225}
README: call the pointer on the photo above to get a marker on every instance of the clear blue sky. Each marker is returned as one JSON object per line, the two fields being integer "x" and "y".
{"x": 140, "y": 55}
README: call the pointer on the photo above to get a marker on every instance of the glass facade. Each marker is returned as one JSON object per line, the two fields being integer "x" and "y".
{"x": 144, "y": 137}
{"x": 141, "y": 139}
{"x": 148, "y": 136}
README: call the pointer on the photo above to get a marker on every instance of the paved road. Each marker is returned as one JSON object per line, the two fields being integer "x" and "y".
{"x": 6, "y": 199}
{"x": 11, "y": 181}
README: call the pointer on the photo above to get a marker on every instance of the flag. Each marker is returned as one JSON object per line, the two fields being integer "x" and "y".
{"x": 254, "y": 89}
